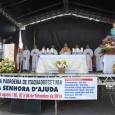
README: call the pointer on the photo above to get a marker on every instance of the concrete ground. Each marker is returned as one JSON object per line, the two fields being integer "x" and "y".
{"x": 102, "y": 106}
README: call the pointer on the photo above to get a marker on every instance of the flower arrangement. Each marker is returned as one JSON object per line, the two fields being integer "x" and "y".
{"x": 61, "y": 63}
{"x": 108, "y": 44}
{"x": 7, "y": 66}
{"x": 107, "y": 48}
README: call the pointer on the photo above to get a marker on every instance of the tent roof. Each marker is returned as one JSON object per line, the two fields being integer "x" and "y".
{"x": 25, "y": 10}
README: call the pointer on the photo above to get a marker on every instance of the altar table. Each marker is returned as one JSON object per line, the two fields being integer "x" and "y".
{"x": 76, "y": 63}
{"x": 108, "y": 61}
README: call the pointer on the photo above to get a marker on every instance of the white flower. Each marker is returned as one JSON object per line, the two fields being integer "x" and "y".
{"x": 6, "y": 64}
{"x": 10, "y": 63}
{"x": 10, "y": 69}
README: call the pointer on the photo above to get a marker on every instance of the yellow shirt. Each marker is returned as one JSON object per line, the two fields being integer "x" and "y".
{"x": 68, "y": 51}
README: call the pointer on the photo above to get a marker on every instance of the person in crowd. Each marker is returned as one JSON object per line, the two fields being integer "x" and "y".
{"x": 99, "y": 58}
{"x": 43, "y": 51}
{"x": 89, "y": 53}
{"x": 76, "y": 50}
{"x": 65, "y": 50}
{"x": 26, "y": 58}
{"x": 35, "y": 53}
{"x": 53, "y": 51}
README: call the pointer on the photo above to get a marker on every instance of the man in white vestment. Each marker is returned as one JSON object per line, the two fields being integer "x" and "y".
{"x": 76, "y": 50}
{"x": 26, "y": 58}
{"x": 99, "y": 58}
{"x": 65, "y": 50}
{"x": 35, "y": 53}
{"x": 53, "y": 51}
{"x": 2, "y": 48}
{"x": 43, "y": 51}
{"x": 89, "y": 53}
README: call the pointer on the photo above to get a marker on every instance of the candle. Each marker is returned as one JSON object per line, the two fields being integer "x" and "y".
{"x": 73, "y": 50}
{"x": 47, "y": 50}
{"x": 81, "y": 50}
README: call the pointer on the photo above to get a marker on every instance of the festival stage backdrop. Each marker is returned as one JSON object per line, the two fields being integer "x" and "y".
{"x": 8, "y": 30}
{"x": 68, "y": 29}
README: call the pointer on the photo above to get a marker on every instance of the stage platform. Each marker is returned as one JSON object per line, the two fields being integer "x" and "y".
{"x": 103, "y": 79}
{"x": 106, "y": 86}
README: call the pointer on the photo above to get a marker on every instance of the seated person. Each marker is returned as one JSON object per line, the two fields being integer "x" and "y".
{"x": 65, "y": 50}
{"x": 53, "y": 51}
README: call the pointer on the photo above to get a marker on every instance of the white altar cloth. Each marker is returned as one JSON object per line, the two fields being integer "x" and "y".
{"x": 108, "y": 61}
{"x": 76, "y": 63}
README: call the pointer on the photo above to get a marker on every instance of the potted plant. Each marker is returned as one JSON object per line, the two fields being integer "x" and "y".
{"x": 61, "y": 65}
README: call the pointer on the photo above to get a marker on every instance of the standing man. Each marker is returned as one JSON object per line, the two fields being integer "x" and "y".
{"x": 76, "y": 50}
{"x": 3, "y": 43}
{"x": 43, "y": 51}
{"x": 65, "y": 50}
{"x": 53, "y": 51}
{"x": 99, "y": 58}
{"x": 19, "y": 60}
{"x": 35, "y": 53}
{"x": 89, "y": 53}
{"x": 26, "y": 58}
{"x": 0, "y": 49}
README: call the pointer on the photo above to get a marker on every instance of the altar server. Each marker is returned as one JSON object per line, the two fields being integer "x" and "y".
{"x": 19, "y": 60}
{"x": 89, "y": 53}
{"x": 65, "y": 50}
{"x": 53, "y": 51}
{"x": 99, "y": 58}
{"x": 26, "y": 58}
{"x": 35, "y": 53}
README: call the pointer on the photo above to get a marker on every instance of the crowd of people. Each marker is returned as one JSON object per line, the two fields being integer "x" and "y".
{"x": 24, "y": 56}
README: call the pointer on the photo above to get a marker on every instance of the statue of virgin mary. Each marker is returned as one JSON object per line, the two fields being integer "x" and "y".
{"x": 113, "y": 30}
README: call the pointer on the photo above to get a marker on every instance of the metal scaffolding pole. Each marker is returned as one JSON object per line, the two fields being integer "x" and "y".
{"x": 10, "y": 18}
{"x": 66, "y": 5}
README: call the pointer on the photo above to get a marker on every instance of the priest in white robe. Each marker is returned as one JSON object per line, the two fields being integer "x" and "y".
{"x": 35, "y": 53}
{"x": 99, "y": 58}
{"x": 2, "y": 48}
{"x": 76, "y": 50}
{"x": 65, "y": 50}
{"x": 43, "y": 51}
{"x": 26, "y": 58}
{"x": 89, "y": 53}
{"x": 53, "y": 51}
